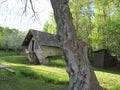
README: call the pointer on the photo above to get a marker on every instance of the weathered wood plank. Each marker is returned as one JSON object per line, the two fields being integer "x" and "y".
{"x": 3, "y": 66}
{"x": 10, "y": 70}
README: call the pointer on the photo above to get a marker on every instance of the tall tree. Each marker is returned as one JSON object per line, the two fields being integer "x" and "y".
{"x": 102, "y": 20}
{"x": 82, "y": 12}
{"x": 50, "y": 27}
{"x": 79, "y": 69}
{"x": 106, "y": 24}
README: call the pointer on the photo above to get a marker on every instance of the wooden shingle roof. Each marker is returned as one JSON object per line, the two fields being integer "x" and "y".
{"x": 43, "y": 38}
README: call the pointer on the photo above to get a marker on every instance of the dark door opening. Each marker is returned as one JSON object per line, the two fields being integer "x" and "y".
{"x": 32, "y": 45}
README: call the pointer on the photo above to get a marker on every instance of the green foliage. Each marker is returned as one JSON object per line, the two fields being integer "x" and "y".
{"x": 50, "y": 27}
{"x": 105, "y": 34}
{"x": 98, "y": 23}
{"x": 82, "y": 15}
{"x": 11, "y": 38}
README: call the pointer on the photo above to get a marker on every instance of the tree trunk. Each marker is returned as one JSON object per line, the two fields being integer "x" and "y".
{"x": 80, "y": 72}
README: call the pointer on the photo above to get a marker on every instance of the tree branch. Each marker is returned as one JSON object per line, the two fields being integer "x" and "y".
{"x": 35, "y": 15}
{"x": 25, "y": 8}
{"x": 3, "y": 2}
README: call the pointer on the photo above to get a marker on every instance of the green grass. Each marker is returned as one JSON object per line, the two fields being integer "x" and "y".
{"x": 108, "y": 78}
{"x": 28, "y": 84}
{"x": 32, "y": 77}
{"x": 51, "y": 76}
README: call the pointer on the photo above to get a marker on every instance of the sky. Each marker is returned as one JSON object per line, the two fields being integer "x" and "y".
{"x": 11, "y": 14}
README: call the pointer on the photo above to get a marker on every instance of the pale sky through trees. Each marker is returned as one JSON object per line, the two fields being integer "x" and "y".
{"x": 11, "y": 14}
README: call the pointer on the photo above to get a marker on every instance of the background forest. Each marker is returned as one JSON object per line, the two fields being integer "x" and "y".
{"x": 96, "y": 22}
{"x": 11, "y": 39}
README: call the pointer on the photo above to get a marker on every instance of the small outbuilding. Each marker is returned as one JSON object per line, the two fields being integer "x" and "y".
{"x": 40, "y": 45}
{"x": 103, "y": 59}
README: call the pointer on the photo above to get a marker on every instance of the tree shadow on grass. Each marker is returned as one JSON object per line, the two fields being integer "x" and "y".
{"x": 27, "y": 72}
{"x": 108, "y": 70}
{"x": 15, "y": 59}
{"x": 28, "y": 79}
{"x": 28, "y": 84}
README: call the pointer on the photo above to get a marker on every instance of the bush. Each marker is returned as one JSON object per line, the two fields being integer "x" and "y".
{"x": 56, "y": 61}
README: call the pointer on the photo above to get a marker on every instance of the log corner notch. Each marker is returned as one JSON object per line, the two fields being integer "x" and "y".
{"x": 81, "y": 74}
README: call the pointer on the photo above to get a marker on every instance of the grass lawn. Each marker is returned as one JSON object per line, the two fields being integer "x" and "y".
{"x": 51, "y": 76}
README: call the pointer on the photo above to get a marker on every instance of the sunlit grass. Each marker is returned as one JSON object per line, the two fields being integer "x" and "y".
{"x": 115, "y": 87}
{"x": 30, "y": 77}
{"x": 48, "y": 73}
{"x": 52, "y": 73}
{"x": 107, "y": 79}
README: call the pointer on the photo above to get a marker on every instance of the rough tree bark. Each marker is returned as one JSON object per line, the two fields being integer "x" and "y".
{"x": 80, "y": 72}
